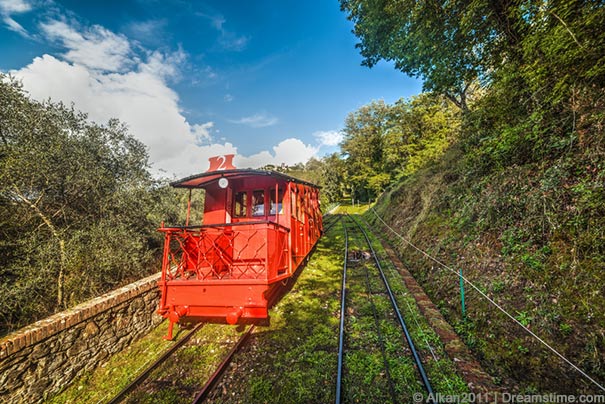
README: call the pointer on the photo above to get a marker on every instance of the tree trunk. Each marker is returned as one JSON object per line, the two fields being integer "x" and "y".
{"x": 60, "y": 241}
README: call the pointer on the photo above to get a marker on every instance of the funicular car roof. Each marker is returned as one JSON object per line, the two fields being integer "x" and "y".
{"x": 204, "y": 179}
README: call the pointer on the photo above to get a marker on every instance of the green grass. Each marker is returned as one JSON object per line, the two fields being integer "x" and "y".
{"x": 294, "y": 359}
{"x": 106, "y": 381}
{"x": 352, "y": 210}
{"x": 531, "y": 237}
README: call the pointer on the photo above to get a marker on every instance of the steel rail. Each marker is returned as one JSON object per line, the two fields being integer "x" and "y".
{"x": 408, "y": 337}
{"x": 143, "y": 375}
{"x": 387, "y": 368}
{"x": 203, "y": 394}
{"x": 342, "y": 318}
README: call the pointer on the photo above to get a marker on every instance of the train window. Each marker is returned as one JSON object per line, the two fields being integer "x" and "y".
{"x": 241, "y": 205}
{"x": 300, "y": 207}
{"x": 293, "y": 203}
{"x": 280, "y": 199}
{"x": 258, "y": 203}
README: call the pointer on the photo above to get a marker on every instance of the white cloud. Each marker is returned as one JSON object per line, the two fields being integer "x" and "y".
{"x": 14, "y": 6}
{"x": 328, "y": 138}
{"x": 289, "y": 151}
{"x": 257, "y": 120}
{"x": 10, "y": 7}
{"x": 140, "y": 99}
{"x": 163, "y": 65}
{"x": 194, "y": 159}
{"x": 137, "y": 94}
{"x": 95, "y": 48}
{"x": 202, "y": 132}
{"x": 14, "y": 26}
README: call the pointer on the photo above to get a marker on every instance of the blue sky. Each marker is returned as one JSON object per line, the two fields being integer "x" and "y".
{"x": 271, "y": 81}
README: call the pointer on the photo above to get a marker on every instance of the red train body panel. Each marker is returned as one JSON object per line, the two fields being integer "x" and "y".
{"x": 258, "y": 227}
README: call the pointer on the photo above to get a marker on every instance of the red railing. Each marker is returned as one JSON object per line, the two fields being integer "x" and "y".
{"x": 251, "y": 250}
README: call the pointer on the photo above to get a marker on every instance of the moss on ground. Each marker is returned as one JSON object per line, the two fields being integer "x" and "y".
{"x": 294, "y": 359}
{"x": 108, "y": 379}
{"x": 530, "y": 237}
{"x": 440, "y": 369}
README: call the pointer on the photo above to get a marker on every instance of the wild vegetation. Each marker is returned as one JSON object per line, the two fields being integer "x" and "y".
{"x": 78, "y": 207}
{"x": 514, "y": 193}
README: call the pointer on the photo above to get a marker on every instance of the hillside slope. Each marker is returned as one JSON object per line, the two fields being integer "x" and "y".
{"x": 531, "y": 236}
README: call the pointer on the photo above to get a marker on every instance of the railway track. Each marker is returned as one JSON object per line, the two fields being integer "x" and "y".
{"x": 206, "y": 390}
{"x": 203, "y": 393}
{"x": 156, "y": 364}
{"x": 211, "y": 383}
{"x": 370, "y": 281}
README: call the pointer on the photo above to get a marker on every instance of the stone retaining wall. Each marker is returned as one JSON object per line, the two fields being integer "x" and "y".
{"x": 39, "y": 360}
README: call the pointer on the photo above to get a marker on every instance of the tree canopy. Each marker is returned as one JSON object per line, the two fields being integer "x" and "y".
{"x": 384, "y": 143}
{"x": 452, "y": 45}
{"x": 78, "y": 207}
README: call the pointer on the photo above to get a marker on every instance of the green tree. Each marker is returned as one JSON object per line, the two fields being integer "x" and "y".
{"x": 539, "y": 66}
{"x": 333, "y": 177}
{"x": 362, "y": 148}
{"x": 421, "y": 131}
{"x": 384, "y": 143}
{"x": 446, "y": 44}
{"x": 451, "y": 45}
{"x": 78, "y": 207}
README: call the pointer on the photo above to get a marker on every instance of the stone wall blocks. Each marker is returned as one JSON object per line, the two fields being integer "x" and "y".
{"x": 90, "y": 330}
{"x": 40, "y": 360}
{"x": 58, "y": 361}
{"x": 40, "y": 350}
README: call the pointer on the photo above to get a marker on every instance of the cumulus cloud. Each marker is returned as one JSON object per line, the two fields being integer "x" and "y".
{"x": 10, "y": 7}
{"x": 257, "y": 120}
{"x": 202, "y": 132}
{"x": 140, "y": 99}
{"x": 328, "y": 138}
{"x": 95, "y": 47}
{"x": 96, "y": 76}
{"x": 289, "y": 151}
{"x": 163, "y": 65}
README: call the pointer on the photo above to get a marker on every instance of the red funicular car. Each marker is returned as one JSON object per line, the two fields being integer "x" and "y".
{"x": 258, "y": 227}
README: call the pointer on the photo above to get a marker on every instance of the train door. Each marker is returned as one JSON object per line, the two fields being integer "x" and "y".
{"x": 293, "y": 223}
{"x": 301, "y": 216}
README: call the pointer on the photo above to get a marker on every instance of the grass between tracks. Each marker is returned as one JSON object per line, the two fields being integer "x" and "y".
{"x": 294, "y": 359}
{"x": 363, "y": 342}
